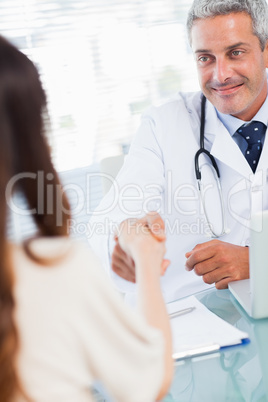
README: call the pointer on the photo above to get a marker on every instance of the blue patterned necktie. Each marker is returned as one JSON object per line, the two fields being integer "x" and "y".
{"x": 253, "y": 134}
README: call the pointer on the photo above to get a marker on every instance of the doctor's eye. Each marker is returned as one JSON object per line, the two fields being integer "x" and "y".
{"x": 236, "y": 52}
{"x": 203, "y": 59}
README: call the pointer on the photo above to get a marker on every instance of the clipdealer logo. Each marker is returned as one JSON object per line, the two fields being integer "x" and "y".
{"x": 132, "y": 200}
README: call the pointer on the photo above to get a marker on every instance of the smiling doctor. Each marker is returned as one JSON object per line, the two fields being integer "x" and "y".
{"x": 201, "y": 159}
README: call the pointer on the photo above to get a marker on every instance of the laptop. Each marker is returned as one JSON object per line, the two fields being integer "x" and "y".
{"x": 252, "y": 293}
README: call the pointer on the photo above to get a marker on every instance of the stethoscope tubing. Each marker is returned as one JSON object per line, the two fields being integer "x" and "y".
{"x": 198, "y": 175}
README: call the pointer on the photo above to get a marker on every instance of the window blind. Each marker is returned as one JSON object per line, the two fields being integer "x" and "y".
{"x": 102, "y": 63}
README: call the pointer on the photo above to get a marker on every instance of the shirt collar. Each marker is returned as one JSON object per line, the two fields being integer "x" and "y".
{"x": 233, "y": 123}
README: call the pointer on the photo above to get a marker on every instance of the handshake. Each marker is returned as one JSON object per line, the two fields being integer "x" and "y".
{"x": 139, "y": 239}
{"x": 216, "y": 261}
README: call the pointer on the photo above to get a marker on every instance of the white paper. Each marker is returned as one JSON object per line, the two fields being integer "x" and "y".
{"x": 200, "y": 331}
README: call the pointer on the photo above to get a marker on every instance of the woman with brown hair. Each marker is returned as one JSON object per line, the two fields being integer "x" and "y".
{"x": 61, "y": 324}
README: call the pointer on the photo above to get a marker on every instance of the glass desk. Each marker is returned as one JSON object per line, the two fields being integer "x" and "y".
{"x": 238, "y": 373}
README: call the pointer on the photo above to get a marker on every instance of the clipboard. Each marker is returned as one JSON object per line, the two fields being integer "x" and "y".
{"x": 201, "y": 331}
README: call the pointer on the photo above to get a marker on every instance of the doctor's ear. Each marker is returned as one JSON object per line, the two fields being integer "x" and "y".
{"x": 266, "y": 54}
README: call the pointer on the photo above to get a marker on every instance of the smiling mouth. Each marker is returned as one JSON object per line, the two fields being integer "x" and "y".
{"x": 223, "y": 91}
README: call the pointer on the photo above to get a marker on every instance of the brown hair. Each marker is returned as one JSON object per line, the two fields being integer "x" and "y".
{"x": 23, "y": 150}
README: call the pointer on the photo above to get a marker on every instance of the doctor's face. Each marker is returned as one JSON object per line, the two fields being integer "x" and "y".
{"x": 231, "y": 65}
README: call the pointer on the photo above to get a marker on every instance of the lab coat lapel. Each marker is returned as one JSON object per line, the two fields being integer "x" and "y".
{"x": 224, "y": 147}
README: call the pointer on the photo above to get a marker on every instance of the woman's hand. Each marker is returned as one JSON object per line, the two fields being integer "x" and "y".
{"x": 139, "y": 240}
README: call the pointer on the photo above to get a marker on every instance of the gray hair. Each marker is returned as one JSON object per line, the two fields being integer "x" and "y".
{"x": 257, "y": 10}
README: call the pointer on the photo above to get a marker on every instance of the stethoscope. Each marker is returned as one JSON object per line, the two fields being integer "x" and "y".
{"x": 216, "y": 171}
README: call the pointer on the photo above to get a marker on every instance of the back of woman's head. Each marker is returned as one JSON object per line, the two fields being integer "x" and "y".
{"x": 24, "y": 154}
{"x": 23, "y": 147}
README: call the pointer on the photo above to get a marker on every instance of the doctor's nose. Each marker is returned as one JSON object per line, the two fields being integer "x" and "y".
{"x": 222, "y": 71}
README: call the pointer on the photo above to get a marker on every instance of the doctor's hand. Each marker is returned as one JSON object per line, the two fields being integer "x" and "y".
{"x": 122, "y": 260}
{"x": 219, "y": 262}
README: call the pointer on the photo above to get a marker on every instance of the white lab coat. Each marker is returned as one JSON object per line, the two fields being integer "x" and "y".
{"x": 159, "y": 174}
